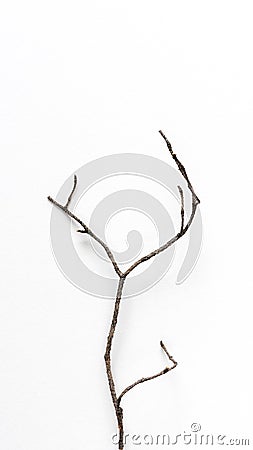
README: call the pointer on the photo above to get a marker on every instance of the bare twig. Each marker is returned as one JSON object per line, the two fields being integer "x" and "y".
{"x": 179, "y": 165}
{"x": 166, "y": 245}
{"x": 87, "y": 230}
{"x": 72, "y": 192}
{"x": 122, "y": 277}
{"x": 195, "y": 202}
{"x": 182, "y": 207}
{"x": 142, "y": 380}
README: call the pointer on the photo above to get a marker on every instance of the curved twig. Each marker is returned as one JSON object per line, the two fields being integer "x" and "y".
{"x": 184, "y": 228}
{"x": 152, "y": 377}
{"x": 122, "y": 277}
{"x": 86, "y": 229}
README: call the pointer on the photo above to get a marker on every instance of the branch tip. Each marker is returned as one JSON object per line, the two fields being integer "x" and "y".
{"x": 72, "y": 192}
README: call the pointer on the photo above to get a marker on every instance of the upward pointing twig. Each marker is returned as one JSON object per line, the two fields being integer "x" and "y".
{"x": 179, "y": 165}
{"x": 72, "y": 192}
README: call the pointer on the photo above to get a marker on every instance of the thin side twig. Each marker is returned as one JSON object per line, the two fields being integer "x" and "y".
{"x": 182, "y": 207}
{"x": 86, "y": 229}
{"x": 72, "y": 192}
{"x": 167, "y": 244}
{"x": 152, "y": 377}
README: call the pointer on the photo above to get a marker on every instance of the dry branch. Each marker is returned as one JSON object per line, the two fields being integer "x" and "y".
{"x": 122, "y": 277}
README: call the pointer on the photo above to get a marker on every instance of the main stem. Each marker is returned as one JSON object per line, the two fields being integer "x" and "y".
{"x": 107, "y": 356}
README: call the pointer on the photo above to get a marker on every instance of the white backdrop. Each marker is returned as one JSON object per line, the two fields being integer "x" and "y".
{"x": 80, "y": 80}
